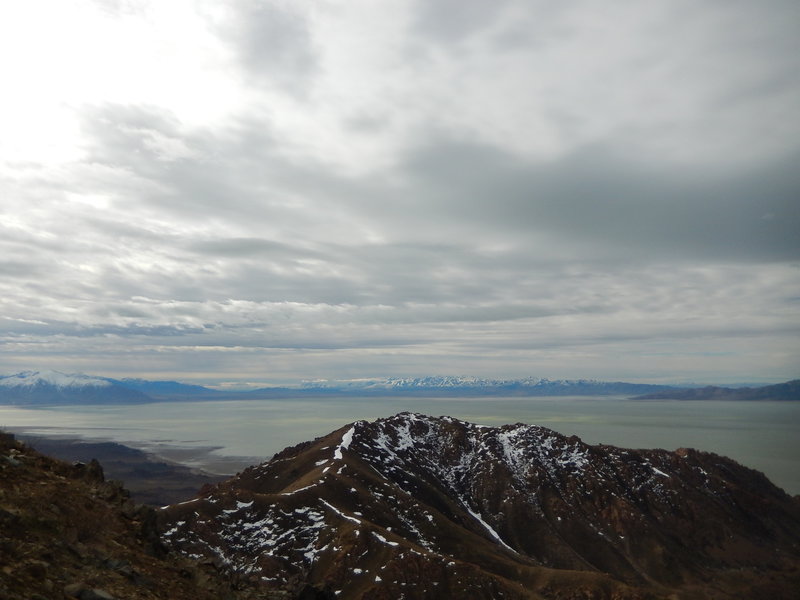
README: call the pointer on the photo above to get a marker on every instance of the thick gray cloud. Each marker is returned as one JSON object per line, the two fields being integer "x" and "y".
{"x": 616, "y": 203}
{"x": 273, "y": 43}
{"x": 499, "y": 190}
{"x": 450, "y": 20}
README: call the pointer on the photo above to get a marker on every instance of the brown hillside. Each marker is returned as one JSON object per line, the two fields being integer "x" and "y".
{"x": 67, "y": 533}
{"x": 424, "y": 508}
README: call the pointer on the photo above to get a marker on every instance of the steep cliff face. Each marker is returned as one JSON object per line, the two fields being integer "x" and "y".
{"x": 419, "y": 507}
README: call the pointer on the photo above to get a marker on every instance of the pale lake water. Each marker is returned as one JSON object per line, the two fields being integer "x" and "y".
{"x": 225, "y": 436}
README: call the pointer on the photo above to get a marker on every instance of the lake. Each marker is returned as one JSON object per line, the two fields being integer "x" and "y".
{"x": 225, "y": 436}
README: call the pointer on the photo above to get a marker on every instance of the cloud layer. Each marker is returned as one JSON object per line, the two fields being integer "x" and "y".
{"x": 274, "y": 191}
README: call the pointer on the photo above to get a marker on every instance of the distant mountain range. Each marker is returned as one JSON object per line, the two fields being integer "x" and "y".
{"x": 54, "y": 387}
{"x": 421, "y": 507}
{"x": 475, "y": 386}
{"x": 166, "y": 388}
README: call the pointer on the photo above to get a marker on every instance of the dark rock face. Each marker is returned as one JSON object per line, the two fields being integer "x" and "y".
{"x": 420, "y": 507}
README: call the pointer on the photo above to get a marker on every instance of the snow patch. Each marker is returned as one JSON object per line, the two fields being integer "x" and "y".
{"x": 347, "y": 439}
{"x": 383, "y": 539}
{"x": 300, "y": 489}
{"x": 340, "y": 513}
{"x": 488, "y": 528}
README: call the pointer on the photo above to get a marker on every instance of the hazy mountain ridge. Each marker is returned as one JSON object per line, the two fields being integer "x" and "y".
{"x": 424, "y": 507}
{"x": 52, "y": 378}
{"x": 54, "y": 387}
{"x": 788, "y": 391}
{"x": 454, "y": 386}
{"x": 166, "y": 388}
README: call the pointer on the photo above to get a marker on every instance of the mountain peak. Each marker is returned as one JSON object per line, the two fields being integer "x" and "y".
{"x": 55, "y": 387}
{"x": 485, "y": 512}
{"x": 53, "y": 378}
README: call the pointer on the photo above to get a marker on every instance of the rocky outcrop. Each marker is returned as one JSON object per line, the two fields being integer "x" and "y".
{"x": 420, "y": 507}
{"x": 66, "y": 532}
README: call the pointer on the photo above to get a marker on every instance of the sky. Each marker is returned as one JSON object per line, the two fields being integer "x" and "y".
{"x": 277, "y": 191}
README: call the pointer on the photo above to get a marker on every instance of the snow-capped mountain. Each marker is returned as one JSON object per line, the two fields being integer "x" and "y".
{"x": 465, "y": 385}
{"x": 430, "y": 381}
{"x": 441, "y": 381}
{"x": 418, "y": 507}
{"x": 55, "y": 387}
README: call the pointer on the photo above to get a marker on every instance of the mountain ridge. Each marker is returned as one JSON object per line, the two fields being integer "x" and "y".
{"x": 427, "y": 507}
{"x": 465, "y": 385}
{"x": 55, "y": 387}
{"x": 788, "y": 391}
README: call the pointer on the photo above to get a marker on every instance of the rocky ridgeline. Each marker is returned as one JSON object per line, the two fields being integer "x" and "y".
{"x": 66, "y": 533}
{"x": 408, "y": 507}
{"x": 419, "y": 507}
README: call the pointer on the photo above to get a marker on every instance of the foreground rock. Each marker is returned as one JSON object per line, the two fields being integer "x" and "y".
{"x": 420, "y": 507}
{"x": 67, "y": 533}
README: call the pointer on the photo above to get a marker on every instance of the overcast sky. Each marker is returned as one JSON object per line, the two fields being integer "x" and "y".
{"x": 273, "y": 191}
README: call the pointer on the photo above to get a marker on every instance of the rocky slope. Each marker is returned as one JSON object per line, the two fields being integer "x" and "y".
{"x": 419, "y": 507}
{"x": 67, "y": 533}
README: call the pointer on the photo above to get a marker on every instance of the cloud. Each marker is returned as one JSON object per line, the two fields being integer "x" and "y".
{"x": 507, "y": 190}
{"x": 450, "y": 21}
{"x": 613, "y": 203}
